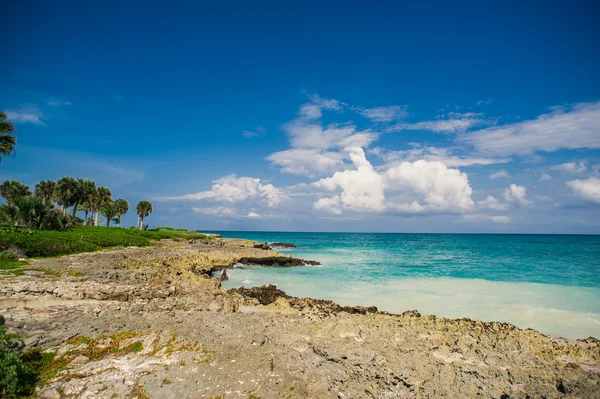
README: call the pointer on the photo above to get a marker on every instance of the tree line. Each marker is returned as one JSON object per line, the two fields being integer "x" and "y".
{"x": 37, "y": 209}
{"x": 54, "y": 204}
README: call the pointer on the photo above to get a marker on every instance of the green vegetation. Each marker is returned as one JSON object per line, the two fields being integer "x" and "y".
{"x": 143, "y": 209}
{"x": 54, "y": 205}
{"x": 19, "y": 370}
{"x": 7, "y": 141}
{"x": 78, "y": 239}
{"x": 39, "y": 243}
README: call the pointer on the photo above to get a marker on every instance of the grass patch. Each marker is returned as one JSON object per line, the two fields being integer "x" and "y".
{"x": 47, "y": 243}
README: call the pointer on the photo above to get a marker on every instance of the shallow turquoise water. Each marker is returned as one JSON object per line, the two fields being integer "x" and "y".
{"x": 547, "y": 282}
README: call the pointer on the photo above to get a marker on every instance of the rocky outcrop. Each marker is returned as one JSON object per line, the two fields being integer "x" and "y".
{"x": 276, "y": 261}
{"x": 282, "y": 245}
{"x": 109, "y": 317}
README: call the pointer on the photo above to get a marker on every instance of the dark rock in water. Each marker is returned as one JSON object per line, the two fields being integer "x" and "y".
{"x": 224, "y": 275}
{"x": 283, "y": 245}
{"x": 277, "y": 261}
{"x": 269, "y": 294}
{"x": 263, "y": 245}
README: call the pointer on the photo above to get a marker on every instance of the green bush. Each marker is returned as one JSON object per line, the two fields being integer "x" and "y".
{"x": 8, "y": 256}
{"x": 19, "y": 369}
{"x": 75, "y": 240}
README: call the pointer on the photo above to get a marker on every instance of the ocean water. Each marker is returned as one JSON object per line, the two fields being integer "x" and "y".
{"x": 547, "y": 282}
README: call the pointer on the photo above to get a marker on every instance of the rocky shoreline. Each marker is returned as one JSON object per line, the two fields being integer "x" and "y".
{"x": 194, "y": 339}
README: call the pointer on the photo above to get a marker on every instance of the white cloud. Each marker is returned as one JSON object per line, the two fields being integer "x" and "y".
{"x": 573, "y": 127}
{"x": 220, "y": 211}
{"x": 545, "y": 177}
{"x": 454, "y": 122}
{"x": 329, "y": 204}
{"x": 495, "y": 219}
{"x": 413, "y": 187}
{"x": 29, "y": 115}
{"x": 516, "y": 194}
{"x": 233, "y": 189}
{"x": 307, "y": 162}
{"x": 258, "y": 132}
{"x": 435, "y": 154}
{"x": 318, "y": 150}
{"x": 384, "y": 114}
{"x": 588, "y": 189}
{"x": 492, "y": 203}
{"x": 361, "y": 189}
{"x": 253, "y": 215}
{"x": 501, "y": 219}
{"x": 501, "y": 174}
{"x": 570, "y": 167}
{"x": 437, "y": 188}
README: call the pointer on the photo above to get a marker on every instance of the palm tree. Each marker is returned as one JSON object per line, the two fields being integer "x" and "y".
{"x": 86, "y": 188}
{"x": 44, "y": 190}
{"x": 122, "y": 206}
{"x": 109, "y": 211}
{"x": 143, "y": 208}
{"x": 7, "y": 141}
{"x": 66, "y": 192}
{"x": 31, "y": 211}
{"x": 13, "y": 189}
{"x": 100, "y": 198}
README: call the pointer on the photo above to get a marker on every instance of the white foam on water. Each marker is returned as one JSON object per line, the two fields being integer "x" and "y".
{"x": 568, "y": 311}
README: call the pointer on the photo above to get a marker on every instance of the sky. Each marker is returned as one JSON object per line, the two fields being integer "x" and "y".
{"x": 470, "y": 117}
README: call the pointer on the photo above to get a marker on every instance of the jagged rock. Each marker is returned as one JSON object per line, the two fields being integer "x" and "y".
{"x": 276, "y": 261}
{"x": 283, "y": 245}
{"x": 263, "y": 245}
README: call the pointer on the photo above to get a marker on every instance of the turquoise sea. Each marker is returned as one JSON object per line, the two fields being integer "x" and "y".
{"x": 547, "y": 282}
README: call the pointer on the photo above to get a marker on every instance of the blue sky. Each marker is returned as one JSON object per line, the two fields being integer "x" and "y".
{"x": 315, "y": 116}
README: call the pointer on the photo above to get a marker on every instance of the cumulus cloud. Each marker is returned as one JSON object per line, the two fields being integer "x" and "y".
{"x": 413, "y": 187}
{"x": 492, "y": 203}
{"x": 572, "y": 127}
{"x": 516, "y": 195}
{"x": 232, "y": 189}
{"x": 545, "y": 177}
{"x": 307, "y": 161}
{"x": 384, "y": 114}
{"x": 453, "y": 122}
{"x": 437, "y": 187}
{"x": 570, "y": 167}
{"x": 501, "y": 174}
{"x": 317, "y": 149}
{"x": 253, "y": 215}
{"x": 588, "y": 189}
{"x": 361, "y": 189}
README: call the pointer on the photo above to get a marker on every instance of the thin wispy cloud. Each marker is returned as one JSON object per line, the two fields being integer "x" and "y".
{"x": 454, "y": 122}
{"x": 384, "y": 114}
{"x": 501, "y": 174}
{"x": 30, "y": 115}
{"x": 571, "y": 127}
{"x": 258, "y": 132}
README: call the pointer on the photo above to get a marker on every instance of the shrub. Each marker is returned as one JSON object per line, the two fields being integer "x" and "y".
{"x": 78, "y": 239}
{"x": 19, "y": 370}
{"x": 8, "y": 256}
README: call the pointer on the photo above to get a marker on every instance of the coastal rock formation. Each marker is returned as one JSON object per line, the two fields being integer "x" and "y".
{"x": 282, "y": 245}
{"x": 150, "y": 323}
{"x": 276, "y": 261}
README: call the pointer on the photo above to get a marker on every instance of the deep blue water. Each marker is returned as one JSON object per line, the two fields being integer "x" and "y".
{"x": 549, "y": 282}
